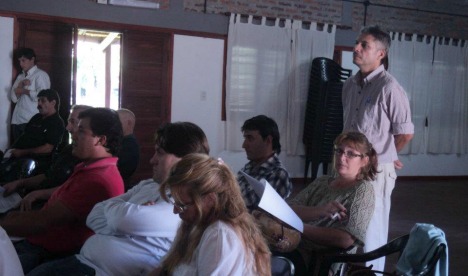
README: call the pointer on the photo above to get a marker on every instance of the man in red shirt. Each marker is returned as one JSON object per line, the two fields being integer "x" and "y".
{"x": 59, "y": 228}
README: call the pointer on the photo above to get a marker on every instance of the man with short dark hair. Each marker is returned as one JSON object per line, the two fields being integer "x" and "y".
{"x": 44, "y": 131}
{"x": 59, "y": 229}
{"x": 25, "y": 89}
{"x": 262, "y": 146}
{"x": 134, "y": 231}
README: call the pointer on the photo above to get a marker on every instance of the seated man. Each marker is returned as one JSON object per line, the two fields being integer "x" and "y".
{"x": 59, "y": 229}
{"x": 134, "y": 231}
{"x": 262, "y": 146}
{"x": 61, "y": 168}
{"x": 129, "y": 154}
{"x": 41, "y": 137}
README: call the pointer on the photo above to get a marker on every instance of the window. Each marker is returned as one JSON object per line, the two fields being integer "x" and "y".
{"x": 98, "y": 69}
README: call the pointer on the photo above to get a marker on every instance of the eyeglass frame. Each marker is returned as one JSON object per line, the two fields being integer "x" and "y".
{"x": 348, "y": 154}
{"x": 180, "y": 207}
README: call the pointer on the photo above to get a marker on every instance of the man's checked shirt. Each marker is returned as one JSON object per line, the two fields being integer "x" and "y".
{"x": 272, "y": 171}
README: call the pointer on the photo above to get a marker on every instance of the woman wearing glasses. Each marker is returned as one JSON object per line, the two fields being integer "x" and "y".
{"x": 217, "y": 235}
{"x": 337, "y": 209}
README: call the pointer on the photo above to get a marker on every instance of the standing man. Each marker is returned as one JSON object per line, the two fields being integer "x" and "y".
{"x": 262, "y": 146}
{"x": 59, "y": 228}
{"x": 376, "y": 105}
{"x": 129, "y": 154}
{"x": 25, "y": 89}
{"x": 134, "y": 231}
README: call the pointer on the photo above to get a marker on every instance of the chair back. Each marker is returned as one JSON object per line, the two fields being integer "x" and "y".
{"x": 422, "y": 252}
{"x": 281, "y": 266}
{"x": 28, "y": 167}
{"x": 426, "y": 252}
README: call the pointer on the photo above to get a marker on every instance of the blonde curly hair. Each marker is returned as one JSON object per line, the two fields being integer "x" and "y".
{"x": 200, "y": 175}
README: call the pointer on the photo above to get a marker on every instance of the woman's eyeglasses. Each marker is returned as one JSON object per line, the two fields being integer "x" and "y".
{"x": 349, "y": 154}
{"x": 180, "y": 207}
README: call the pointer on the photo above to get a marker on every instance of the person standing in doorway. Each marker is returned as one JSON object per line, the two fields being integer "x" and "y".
{"x": 25, "y": 89}
{"x": 375, "y": 104}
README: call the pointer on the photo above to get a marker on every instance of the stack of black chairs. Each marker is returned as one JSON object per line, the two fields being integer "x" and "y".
{"x": 324, "y": 113}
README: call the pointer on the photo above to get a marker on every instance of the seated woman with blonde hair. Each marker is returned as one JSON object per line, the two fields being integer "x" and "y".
{"x": 217, "y": 235}
{"x": 336, "y": 210}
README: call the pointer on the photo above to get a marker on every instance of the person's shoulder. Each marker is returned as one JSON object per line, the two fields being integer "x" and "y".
{"x": 130, "y": 141}
{"x": 365, "y": 186}
{"x": 53, "y": 119}
{"x": 144, "y": 187}
{"x": 107, "y": 162}
{"x": 323, "y": 180}
{"x": 146, "y": 183}
{"x": 220, "y": 226}
{"x": 37, "y": 116}
{"x": 274, "y": 164}
{"x": 40, "y": 71}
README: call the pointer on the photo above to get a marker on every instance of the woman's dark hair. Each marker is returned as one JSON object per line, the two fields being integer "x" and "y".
{"x": 105, "y": 121}
{"x": 182, "y": 138}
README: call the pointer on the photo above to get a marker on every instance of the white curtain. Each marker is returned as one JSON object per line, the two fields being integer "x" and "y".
{"x": 268, "y": 67}
{"x": 308, "y": 43}
{"x": 434, "y": 76}
{"x": 410, "y": 62}
{"x": 258, "y": 62}
{"x": 448, "y": 92}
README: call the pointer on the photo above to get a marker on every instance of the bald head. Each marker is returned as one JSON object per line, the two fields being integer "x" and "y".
{"x": 72, "y": 124}
{"x": 127, "y": 118}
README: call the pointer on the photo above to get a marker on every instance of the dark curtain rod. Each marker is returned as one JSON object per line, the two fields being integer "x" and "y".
{"x": 368, "y": 3}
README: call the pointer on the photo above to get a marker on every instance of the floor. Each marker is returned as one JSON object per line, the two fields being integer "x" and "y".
{"x": 435, "y": 201}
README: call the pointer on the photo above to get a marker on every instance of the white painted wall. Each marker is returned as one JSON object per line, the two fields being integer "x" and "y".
{"x": 198, "y": 66}
{"x": 6, "y": 53}
{"x": 197, "y": 85}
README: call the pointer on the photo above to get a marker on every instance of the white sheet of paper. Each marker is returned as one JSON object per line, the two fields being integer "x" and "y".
{"x": 273, "y": 203}
{"x": 9, "y": 202}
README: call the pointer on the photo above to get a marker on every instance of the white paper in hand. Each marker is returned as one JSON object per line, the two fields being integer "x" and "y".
{"x": 9, "y": 202}
{"x": 273, "y": 203}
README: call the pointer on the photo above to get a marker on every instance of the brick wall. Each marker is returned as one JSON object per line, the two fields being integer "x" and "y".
{"x": 381, "y": 12}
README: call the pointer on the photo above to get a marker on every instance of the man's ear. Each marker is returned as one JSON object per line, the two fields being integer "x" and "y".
{"x": 102, "y": 140}
{"x": 382, "y": 54}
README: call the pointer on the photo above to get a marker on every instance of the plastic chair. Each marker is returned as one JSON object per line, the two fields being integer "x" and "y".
{"x": 422, "y": 252}
{"x": 281, "y": 266}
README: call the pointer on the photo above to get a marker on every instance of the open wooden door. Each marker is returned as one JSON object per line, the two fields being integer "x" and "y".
{"x": 145, "y": 88}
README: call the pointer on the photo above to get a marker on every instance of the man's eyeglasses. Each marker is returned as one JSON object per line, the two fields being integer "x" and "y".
{"x": 349, "y": 154}
{"x": 180, "y": 207}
